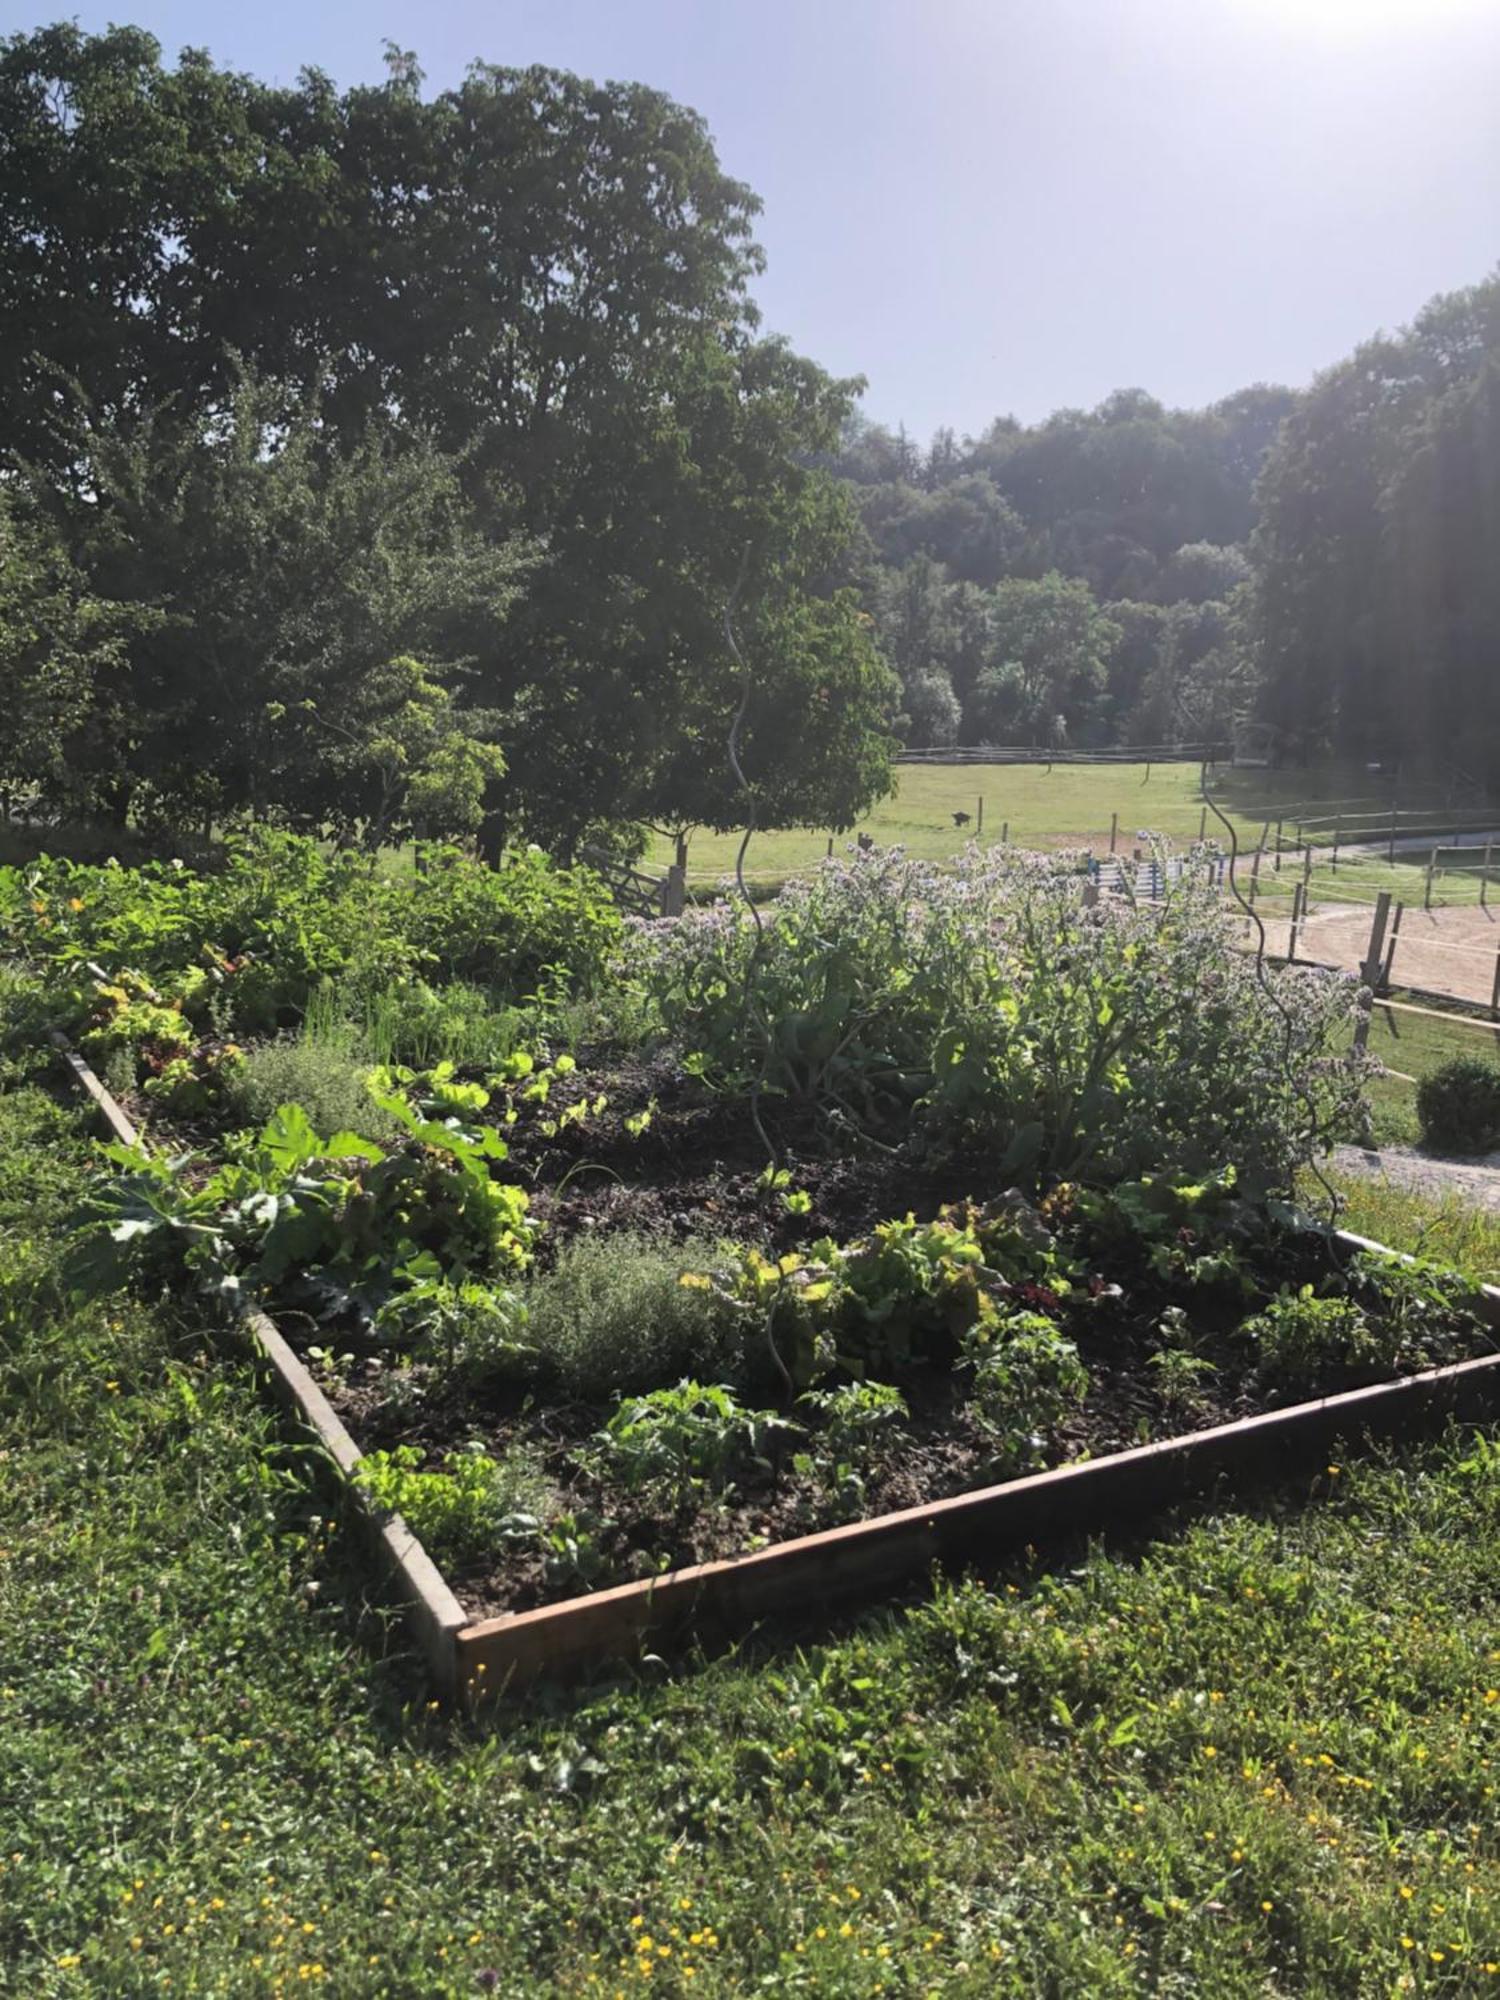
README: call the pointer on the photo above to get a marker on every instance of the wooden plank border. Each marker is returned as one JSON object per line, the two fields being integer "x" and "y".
{"x": 119, "y": 1125}
{"x": 434, "y": 1615}
{"x": 862, "y": 1562}
{"x": 868, "y": 1558}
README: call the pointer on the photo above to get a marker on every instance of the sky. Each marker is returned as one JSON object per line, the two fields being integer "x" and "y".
{"x": 992, "y": 206}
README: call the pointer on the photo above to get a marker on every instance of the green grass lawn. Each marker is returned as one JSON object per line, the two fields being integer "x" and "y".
{"x": 1258, "y": 1754}
{"x": 1414, "y": 1044}
{"x": 1071, "y": 805}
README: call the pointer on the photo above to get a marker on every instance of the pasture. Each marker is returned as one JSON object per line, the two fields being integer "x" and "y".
{"x": 1074, "y": 805}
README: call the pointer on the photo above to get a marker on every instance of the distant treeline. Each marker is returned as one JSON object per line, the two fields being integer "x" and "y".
{"x": 1327, "y": 562}
{"x": 388, "y": 463}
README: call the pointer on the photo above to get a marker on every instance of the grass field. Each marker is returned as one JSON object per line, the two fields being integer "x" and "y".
{"x": 1257, "y": 1754}
{"x": 1072, "y": 805}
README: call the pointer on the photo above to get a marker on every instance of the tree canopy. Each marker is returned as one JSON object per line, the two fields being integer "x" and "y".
{"x": 513, "y": 316}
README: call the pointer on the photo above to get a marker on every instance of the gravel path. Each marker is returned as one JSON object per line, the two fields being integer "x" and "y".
{"x": 1475, "y": 1181}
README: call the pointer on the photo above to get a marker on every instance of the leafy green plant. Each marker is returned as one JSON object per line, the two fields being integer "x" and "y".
{"x": 1026, "y": 1377}
{"x": 1199, "y": 1233}
{"x": 468, "y": 1509}
{"x": 1429, "y": 1309}
{"x": 1458, "y": 1106}
{"x": 200, "y": 1080}
{"x": 1300, "y": 1337}
{"x": 414, "y": 1022}
{"x": 1180, "y": 1377}
{"x": 850, "y": 1427}
{"x": 901, "y": 1294}
{"x": 688, "y": 1438}
{"x": 474, "y": 1331}
{"x": 340, "y": 1222}
{"x": 283, "y": 917}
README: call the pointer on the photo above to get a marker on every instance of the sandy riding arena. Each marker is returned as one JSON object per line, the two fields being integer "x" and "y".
{"x": 1449, "y": 951}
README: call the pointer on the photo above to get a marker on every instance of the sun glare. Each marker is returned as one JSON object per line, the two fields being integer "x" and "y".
{"x": 1361, "y": 20}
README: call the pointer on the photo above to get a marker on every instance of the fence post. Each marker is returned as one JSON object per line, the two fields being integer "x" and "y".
{"x": 1431, "y": 871}
{"x": 1390, "y": 950}
{"x": 1279, "y": 825}
{"x": 979, "y": 825}
{"x": 1005, "y": 834}
{"x": 1484, "y": 876}
{"x": 1297, "y": 908}
{"x": 1203, "y": 826}
{"x": 675, "y": 899}
{"x": 830, "y": 847}
{"x": 1254, "y": 877}
{"x": 1369, "y": 972}
{"x": 1114, "y": 830}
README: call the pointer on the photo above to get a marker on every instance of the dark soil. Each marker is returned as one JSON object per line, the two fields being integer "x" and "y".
{"x": 698, "y": 1168}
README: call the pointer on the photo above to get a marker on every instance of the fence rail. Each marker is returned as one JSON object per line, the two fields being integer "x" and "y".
{"x": 634, "y": 890}
{"x": 1029, "y": 753}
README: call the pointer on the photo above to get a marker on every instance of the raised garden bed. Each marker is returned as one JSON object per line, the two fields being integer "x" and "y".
{"x": 1238, "y": 1436}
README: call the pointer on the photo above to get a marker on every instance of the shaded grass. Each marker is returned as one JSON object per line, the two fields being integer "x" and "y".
{"x": 1258, "y": 1754}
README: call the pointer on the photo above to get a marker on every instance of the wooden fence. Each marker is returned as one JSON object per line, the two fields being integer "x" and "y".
{"x": 642, "y": 894}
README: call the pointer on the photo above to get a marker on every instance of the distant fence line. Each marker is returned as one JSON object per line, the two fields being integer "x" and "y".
{"x": 1028, "y": 753}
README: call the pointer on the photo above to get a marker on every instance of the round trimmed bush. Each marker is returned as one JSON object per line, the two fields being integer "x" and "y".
{"x": 1459, "y": 1106}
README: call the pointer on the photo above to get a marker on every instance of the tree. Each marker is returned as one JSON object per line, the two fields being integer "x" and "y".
{"x": 57, "y": 643}
{"x": 1050, "y": 646}
{"x": 1201, "y": 573}
{"x": 1375, "y": 551}
{"x": 277, "y": 575}
{"x": 542, "y": 278}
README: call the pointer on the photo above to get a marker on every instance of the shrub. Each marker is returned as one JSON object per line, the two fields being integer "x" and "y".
{"x": 613, "y": 1317}
{"x": 1458, "y": 1106}
{"x": 988, "y": 1005}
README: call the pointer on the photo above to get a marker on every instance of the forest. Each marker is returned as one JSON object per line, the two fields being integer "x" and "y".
{"x": 390, "y": 464}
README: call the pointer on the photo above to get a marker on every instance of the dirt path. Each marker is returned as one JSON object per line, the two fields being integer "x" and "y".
{"x": 1475, "y": 1182}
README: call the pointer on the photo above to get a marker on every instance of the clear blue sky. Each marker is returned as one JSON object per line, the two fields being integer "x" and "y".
{"x": 992, "y": 205}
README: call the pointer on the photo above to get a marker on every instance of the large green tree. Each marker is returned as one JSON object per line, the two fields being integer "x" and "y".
{"x": 546, "y": 279}
{"x": 275, "y": 574}
{"x": 59, "y": 643}
{"x": 1050, "y": 647}
{"x": 1376, "y": 616}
